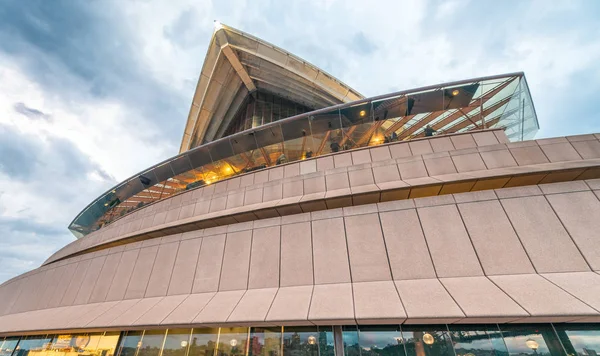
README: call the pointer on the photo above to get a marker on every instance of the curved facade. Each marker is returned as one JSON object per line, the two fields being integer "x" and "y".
{"x": 461, "y": 244}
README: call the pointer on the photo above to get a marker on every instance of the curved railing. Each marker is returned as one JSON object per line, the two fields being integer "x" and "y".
{"x": 494, "y": 101}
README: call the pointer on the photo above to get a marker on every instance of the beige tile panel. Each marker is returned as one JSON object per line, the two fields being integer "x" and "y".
{"x": 75, "y": 283}
{"x": 106, "y": 318}
{"x": 208, "y": 269}
{"x": 141, "y": 273}
{"x": 296, "y": 254}
{"x": 162, "y": 270}
{"x": 236, "y": 261}
{"x": 448, "y": 242}
{"x": 583, "y": 285}
{"x": 253, "y": 307}
{"x": 119, "y": 283}
{"x": 478, "y": 297}
{"x": 94, "y": 312}
{"x": 497, "y": 246}
{"x": 184, "y": 269}
{"x": 548, "y": 245}
{"x": 290, "y": 306}
{"x": 105, "y": 278}
{"x": 366, "y": 249}
{"x": 219, "y": 308}
{"x": 264, "y": 259}
{"x": 132, "y": 314}
{"x": 330, "y": 255}
{"x": 377, "y": 302}
{"x": 406, "y": 247}
{"x": 156, "y": 314}
{"x": 188, "y": 309}
{"x": 541, "y": 298}
{"x": 332, "y": 304}
{"x": 426, "y": 299}
{"x": 580, "y": 214}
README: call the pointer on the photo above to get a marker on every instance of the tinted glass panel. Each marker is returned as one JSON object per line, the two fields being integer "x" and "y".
{"x": 427, "y": 341}
{"x": 8, "y": 346}
{"x": 130, "y": 343}
{"x": 477, "y": 340}
{"x": 152, "y": 343}
{"x": 32, "y": 345}
{"x": 177, "y": 342}
{"x": 531, "y": 339}
{"x": 232, "y": 341}
{"x": 300, "y": 341}
{"x": 326, "y": 343}
{"x": 203, "y": 342}
{"x": 579, "y": 339}
{"x": 265, "y": 342}
{"x": 380, "y": 340}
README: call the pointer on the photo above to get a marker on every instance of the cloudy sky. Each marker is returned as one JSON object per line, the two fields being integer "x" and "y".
{"x": 94, "y": 91}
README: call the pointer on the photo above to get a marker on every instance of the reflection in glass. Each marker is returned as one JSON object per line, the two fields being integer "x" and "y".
{"x": 579, "y": 339}
{"x": 176, "y": 343}
{"x": 32, "y": 345}
{"x": 151, "y": 343}
{"x": 380, "y": 340}
{"x": 479, "y": 340}
{"x": 130, "y": 343}
{"x": 351, "y": 344}
{"x": 427, "y": 341}
{"x": 203, "y": 342}
{"x": 8, "y": 346}
{"x": 265, "y": 342}
{"x": 300, "y": 341}
{"x": 325, "y": 340}
{"x": 232, "y": 342}
{"x": 531, "y": 339}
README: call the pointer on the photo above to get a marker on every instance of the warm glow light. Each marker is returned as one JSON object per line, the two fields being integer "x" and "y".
{"x": 532, "y": 344}
{"x": 312, "y": 340}
{"x": 428, "y": 339}
{"x": 455, "y": 92}
{"x": 362, "y": 113}
{"x": 227, "y": 169}
{"x": 183, "y": 343}
{"x": 233, "y": 342}
{"x": 105, "y": 204}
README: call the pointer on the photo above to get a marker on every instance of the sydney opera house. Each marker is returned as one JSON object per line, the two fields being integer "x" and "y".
{"x": 301, "y": 218}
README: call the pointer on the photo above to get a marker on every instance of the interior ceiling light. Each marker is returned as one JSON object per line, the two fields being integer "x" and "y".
{"x": 362, "y": 113}
{"x": 428, "y": 339}
{"x": 455, "y": 92}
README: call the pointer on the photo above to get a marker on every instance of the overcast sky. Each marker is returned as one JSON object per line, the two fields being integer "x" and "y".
{"x": 94, "y": 91}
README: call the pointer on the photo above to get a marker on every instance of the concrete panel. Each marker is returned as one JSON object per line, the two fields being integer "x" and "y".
{"x": 468, "y": 162}
{"x": 120, "y": 281}
{"x": 187, "y": 310}
{"x": 330, "y": 254}
{"x": 388, "y": 173}
{"x": 325, "y": 163}
{"x": 291, "y": 305}
{"x": 53, "y": 280}
{"x": 98, "y": 309}
{"x": 106, "y": 318}
{"x": 580, "y": 214}
{"x": 528, "y": 155}
{"x": 495, "y": 241}
{"x": 75, "y": 284}
{"x": 293, "y": 189}
{"x": 547, "y": 243}
{"x": 184, "y": 268}
{"x": 162, "y": 270}
{"x": 337, "y": 181}
{"x": 440, "y": 166}
{"x": 420, "y": 147}
{"x": 236, "y": 261}
{"x": 272, "y": 192}
{"x": 90, "y": 280}
{"x": 486, "y": 138}
{"x": 380, "y": 154}
{"x": 314, "y": 185}
{"x": 427, "y": 299}
{"x": 480, "y": 298}
{"x": 332, "y": 304}
{"x": 208, "y": 269}
{"x": 141, "y": 273}
{"x": 441, "y": 144}
{"x": 342, "y": 160}
{"x": 361, "y": 177}
{"x": 296, "y": 255}
{"x": 366, "y": 249}
{"x": 448, "y": 242}
{"x": 498, "y": 159}
{"x": 463, "y": 141}
{"x": 361, "y": 157}
{"x": 406, "y": 247}
{"x": 400, "y": 150}
{"x": 253, "y": 306}
{"x": 587, "y": 149}
{"x": 377, "y": 302}
{"x": 253, "y": 196}
{"x": 308, "y": 166}
{"x": 412, "y": 169}
{"x": 540, "y": 297}
{"x": 264, "y": 258}
{"x": 129, "y": 316}
{"x": 219, "y": 308}
{"x": 560, "y": 152}
{"x": 156, "y": 314}
{"x": 583, "y": 285}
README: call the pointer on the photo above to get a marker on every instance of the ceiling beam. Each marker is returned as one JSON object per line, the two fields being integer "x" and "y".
{"x": 237, "y": 65}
